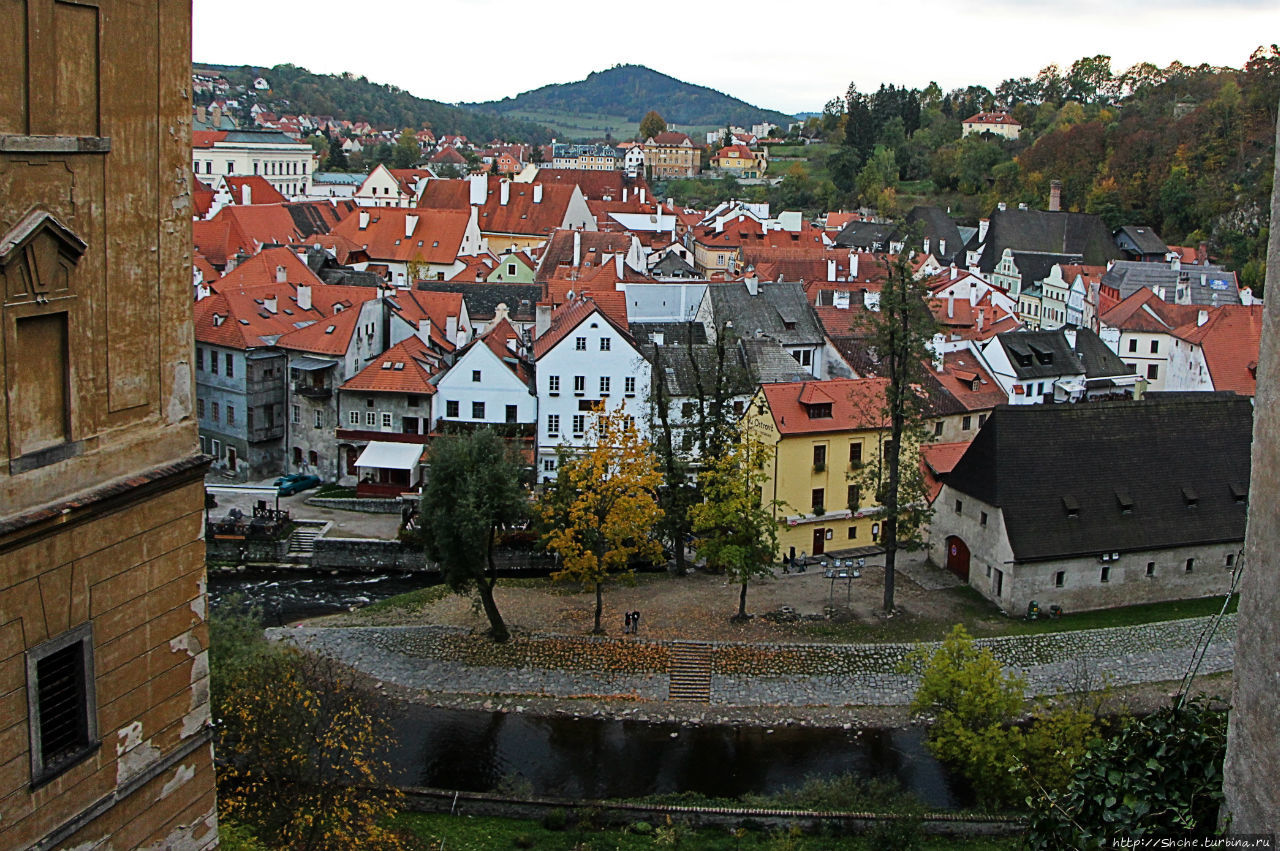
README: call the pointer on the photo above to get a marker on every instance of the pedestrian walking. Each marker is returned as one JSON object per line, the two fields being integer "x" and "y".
{"x": 626, "y": 623}
{"x": 635, "y": 622}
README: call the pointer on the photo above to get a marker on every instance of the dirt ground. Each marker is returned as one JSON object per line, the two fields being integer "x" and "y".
{"x": 701, "y": 605}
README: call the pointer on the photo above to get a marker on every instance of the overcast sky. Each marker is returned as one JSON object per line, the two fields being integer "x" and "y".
{"x": 781, "y": 55}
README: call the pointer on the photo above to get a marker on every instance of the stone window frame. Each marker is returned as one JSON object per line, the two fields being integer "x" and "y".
{"x": 42, "y": 769}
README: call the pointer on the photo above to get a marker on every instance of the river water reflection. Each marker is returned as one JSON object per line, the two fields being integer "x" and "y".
{"x": 476, "y": 751}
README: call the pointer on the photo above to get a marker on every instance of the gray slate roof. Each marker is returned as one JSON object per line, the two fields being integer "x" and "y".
{"x": 779, "y": 310}
{"x": 865, "y": 236}
{"x": 1098, "y": 359}
{"x": 1081, "y": 234}
{"x": 1035, "y": 266}
{"x": 938, "y": 228}
{"x": 673, "y": 333}
{"x": 769, "y": 363}
{"x": 1205, "y": 285}
{"x": 683, "y": 365}
{"x": 482, "y": 299}
{"x": 1032, "y": 461}
{"x": 1040, "y": 354}
{"x": 1143, "y": 238}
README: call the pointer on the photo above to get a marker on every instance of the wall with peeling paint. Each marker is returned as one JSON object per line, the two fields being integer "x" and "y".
{"x": 101, "y": 480}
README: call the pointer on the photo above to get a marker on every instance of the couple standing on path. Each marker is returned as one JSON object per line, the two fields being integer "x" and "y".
{"x": 631, "y": 622}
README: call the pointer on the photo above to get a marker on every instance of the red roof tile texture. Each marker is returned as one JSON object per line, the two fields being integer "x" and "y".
{"x": 856, "y": 404}
{"x": 406, "y": 367}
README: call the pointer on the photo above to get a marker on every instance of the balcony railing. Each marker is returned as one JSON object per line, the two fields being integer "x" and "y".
{"x": 312, "y": 391}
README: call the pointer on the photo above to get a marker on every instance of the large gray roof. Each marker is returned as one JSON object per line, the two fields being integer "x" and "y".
{"x": 769, "y": 363}
{"x": 1080, "y": 234}
{"x": 1111, "y": 463}
{"x": 779, "y": 310}
{"x": 1146, "y": 240}
{"x": 482, "y": 299}
{"x": 1206, "y": 285}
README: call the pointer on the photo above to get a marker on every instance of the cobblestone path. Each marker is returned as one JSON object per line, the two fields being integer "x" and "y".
{"x": 444, "y": 659}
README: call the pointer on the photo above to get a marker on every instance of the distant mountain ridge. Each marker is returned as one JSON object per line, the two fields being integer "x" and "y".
{"x": 351, "y": 98}
{"x": 629, "y": 91}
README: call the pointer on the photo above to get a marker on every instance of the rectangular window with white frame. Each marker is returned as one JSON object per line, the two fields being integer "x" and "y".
{"x": 553, "y": 425}
{"x": 553, "y": 384}
{"x": 604, "y": 385}
{"x": 386, "y": 419}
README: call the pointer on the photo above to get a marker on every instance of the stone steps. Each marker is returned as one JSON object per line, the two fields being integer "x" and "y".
{"x": 689, "y": 674}
{"x": 302, "y": 541}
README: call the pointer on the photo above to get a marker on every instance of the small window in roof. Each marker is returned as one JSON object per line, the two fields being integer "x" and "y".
{"x": 1071, "y": 505}
{"x": 244, "y": 321}
{"x": 1238, "y": 491}
{"x": 1190, "y": 497}
{"x": 1125, "y": 501}
{"x": 386, "y": 364}
{"x": 329, "y": 330}
{"x": 399, "y": 365}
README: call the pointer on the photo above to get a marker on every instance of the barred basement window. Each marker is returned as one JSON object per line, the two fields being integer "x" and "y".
{"x": 61, "y": 706}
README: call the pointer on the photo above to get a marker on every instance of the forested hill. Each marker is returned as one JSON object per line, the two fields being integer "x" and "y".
{"x": 297, "y": 90}
{"x": 632, "y": 90}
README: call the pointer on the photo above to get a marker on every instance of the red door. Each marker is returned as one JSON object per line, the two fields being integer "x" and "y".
{"x": 819, "y": 541}
{"x": 958, "y": 557}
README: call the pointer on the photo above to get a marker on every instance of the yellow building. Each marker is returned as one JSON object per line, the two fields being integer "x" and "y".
{"x": 823, "y": 433}
{"x": 740, "y": 161}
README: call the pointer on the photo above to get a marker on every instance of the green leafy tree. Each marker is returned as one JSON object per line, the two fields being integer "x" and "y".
{"x": 735, "y": 527}
{"x": 602, "y": 511}
{"x": 337, "y": 160}
{"x": 407, "y": 151}
{"x": 880, "y": 173}
{"x": 1159, "y": 778}
{"x": 651, "y": 125}
{"x": 898, "y": 333}
{"x": 473, "y": 491}
{"x": 970, "y": 700}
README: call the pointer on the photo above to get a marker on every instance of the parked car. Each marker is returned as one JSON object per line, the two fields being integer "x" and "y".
{"x": 298, "y": 483}
{"x": 287, "y": 477}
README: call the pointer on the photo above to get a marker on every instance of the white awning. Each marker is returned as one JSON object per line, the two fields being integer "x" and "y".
{"x": 390, "y": 456}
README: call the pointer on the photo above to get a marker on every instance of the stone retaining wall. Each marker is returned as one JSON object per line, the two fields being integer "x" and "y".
{"x": 452, "y": 660}
{"x": 366, "y": 554}
{"x": 368, "y": 505}
{"x": 259, "y": 552}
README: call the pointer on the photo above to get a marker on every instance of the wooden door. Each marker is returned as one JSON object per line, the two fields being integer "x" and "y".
{"x": 958, "y": 557}
{"x": 819, "y": 541}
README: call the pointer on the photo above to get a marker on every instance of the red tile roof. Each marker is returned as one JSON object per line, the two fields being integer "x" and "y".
{"x": 436, "y": 238}
{"x": 1146, "y": 312}
{"x": 406, "y": 367}
{"x": 671, "y": 138}
{"x": 592, "y": 246}
{"x": 966, "y": 317}
{"x": 446, "y": 194}
{"x": 742, "y": 151}
{"x": 238, "y": 317}
{"x": 448, "y": 156}
{"x": 597, "y": 185}
{"x": 521, "y": 214}
{"x": 936, "y": 460}
{"x": 961, "y": 373}
{"x": 1231, "y": 340}
{"x": 260, "y": 190}
{"x": 206, "y": 138}
{"x": 992, "y": 118}
{"x": 857, "y": 403}
{"x": 201, "y": 197}
{"x": 570, "y": 316}
{"x": 261, "y": 269}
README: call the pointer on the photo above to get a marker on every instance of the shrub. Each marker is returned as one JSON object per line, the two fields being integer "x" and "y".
{"x": 556, "y": 819}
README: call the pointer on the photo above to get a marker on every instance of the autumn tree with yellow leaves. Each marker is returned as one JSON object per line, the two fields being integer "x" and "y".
{"x": 601, "y": 512}
{"x": 299, "y": 746}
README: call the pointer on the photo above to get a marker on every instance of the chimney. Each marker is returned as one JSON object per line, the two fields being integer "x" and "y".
{"x": 504, "y": 191}
{"x": 935, "y": 349}
{"x": 451, "y": 329}
{"x": 424, "y": 329}
{"x": 1202, "y": 317}
{"x": 955, "y": 273}
{"x": 479, "y": 189}
{"x": 270, "y": 302}
{"x": 541, "y": 320}
{"x": 1055, "y": 196}
{"x": 982, "y": 317}
{"x": 246, "y": 194}
{"x": 624, "y": 194}
{"x": 853, "y": 265}
{"x": 1176, "y": 263}
{"x": 410, "y": 224}
{"x": 1202, "y": 253}
{"x": 364, "y": 219}
{"x": 641, "y": 191}
{"x": 304, "y": 296}
{"x": 282, "y": 276}
{"x": 203, "y": 291}
{"x": 942, "y": 248}
{"x": 200, "y": 114}
{"x": 1002, "y": 206}
{"x": 831, "y": 269}
{"x": 752, "y": 282}
{"x": 951, "y": 305}
{"x": 927, "y": 243}
{"x": 983, "y": 224}
{"x": 577, "y": 248}
{"x": 537, "y": 193}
